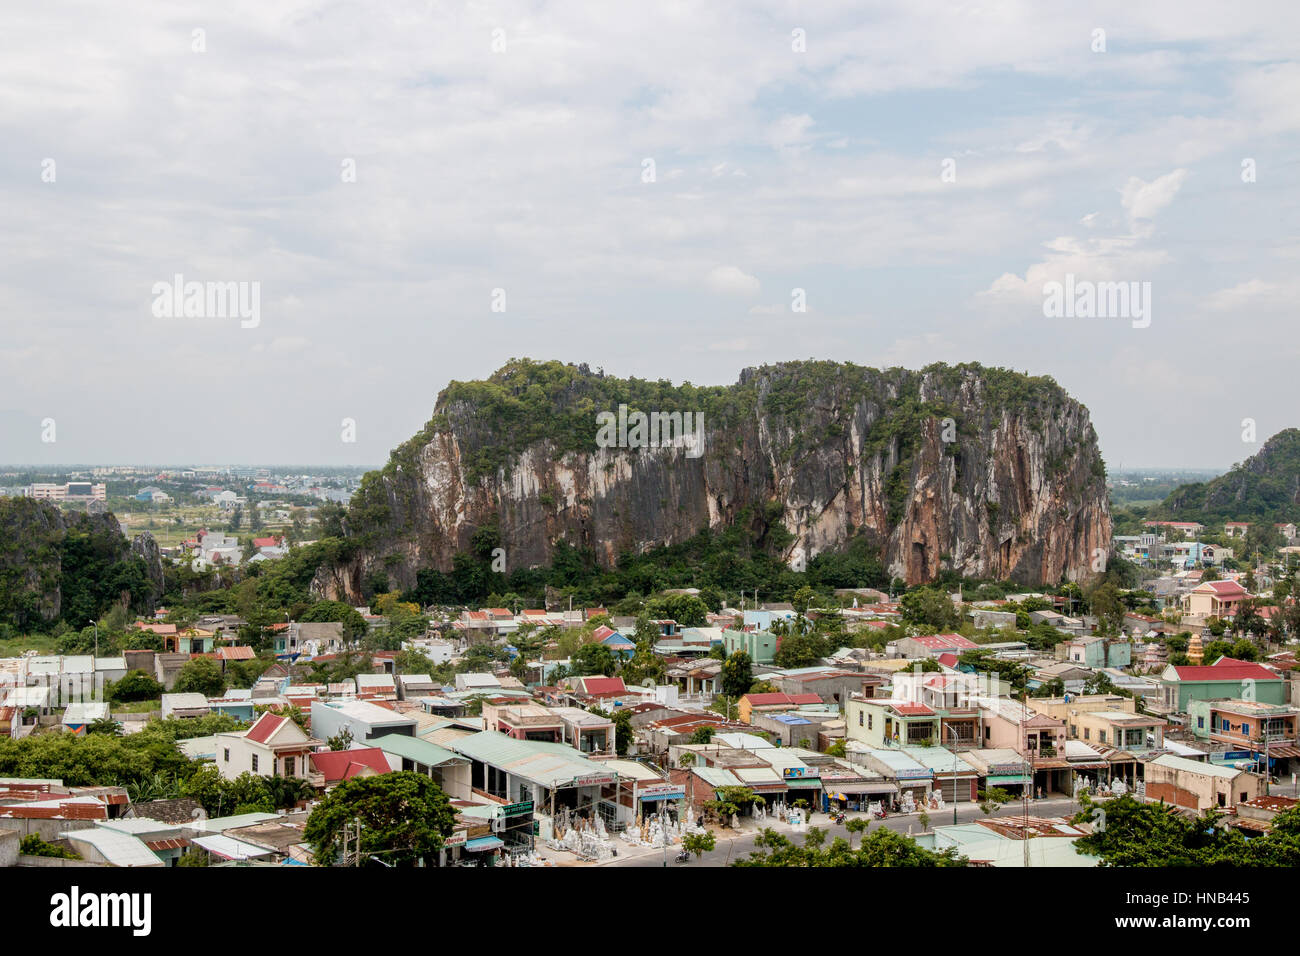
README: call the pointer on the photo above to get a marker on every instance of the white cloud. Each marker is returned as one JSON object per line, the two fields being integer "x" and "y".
{"x": 730, "y": 280}
{"x": 1142, "y": 200}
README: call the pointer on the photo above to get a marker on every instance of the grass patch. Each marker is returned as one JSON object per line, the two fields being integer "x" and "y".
{"x": 17, "y": 646}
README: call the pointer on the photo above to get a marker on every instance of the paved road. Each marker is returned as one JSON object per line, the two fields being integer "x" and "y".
{"x": 731, "y": 848}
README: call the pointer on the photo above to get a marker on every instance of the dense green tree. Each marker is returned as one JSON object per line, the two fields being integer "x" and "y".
{"x": 1129, "y": 832}
{"x": 930, "y": 608}
{"x": 699, "y": 843}
{"x": 882, "y": 847}
{"x": 134, "y": 685}
{"x": 354, "y": 625}
{"x": 591, "y": 659}
{"x": 405, "y": 819}
{"x": 737, "y": 674}
{"x": 200, "y": 675}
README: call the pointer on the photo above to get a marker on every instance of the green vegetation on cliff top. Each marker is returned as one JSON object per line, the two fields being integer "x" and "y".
{"x": 1265, "y": 487}
{"x": 553, "y": 405}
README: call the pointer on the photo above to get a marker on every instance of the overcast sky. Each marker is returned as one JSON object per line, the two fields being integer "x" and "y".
{"x": 503, "y": 145}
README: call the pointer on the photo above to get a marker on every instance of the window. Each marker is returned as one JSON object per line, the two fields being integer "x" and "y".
{"x": 1101, "y": 736}
{"x": 288, "y": 766}
{"x": 226, "y": 755}
{"x": 254, "y": 763}
{"x": 1087, "y": 733}
{"x": 859, "y": 718}
{"x": 1200, "y": 723}
{"x": 870, "y": 718}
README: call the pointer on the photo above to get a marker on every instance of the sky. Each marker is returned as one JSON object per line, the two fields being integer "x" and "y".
{"x": 420, "y": 191}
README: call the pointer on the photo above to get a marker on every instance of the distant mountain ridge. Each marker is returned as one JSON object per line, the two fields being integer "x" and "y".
{"x": 1265, "y": 487}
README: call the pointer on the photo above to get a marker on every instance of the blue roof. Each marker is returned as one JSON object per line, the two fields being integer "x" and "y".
{"x": 790, "y": 719}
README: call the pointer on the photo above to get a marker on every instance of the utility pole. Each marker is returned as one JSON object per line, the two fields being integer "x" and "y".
{"x": 1025, "y": 790}
{"x": 1267, "y": 765}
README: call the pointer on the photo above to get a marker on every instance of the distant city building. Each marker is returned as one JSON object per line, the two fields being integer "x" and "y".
{"x": 72, "y": 491}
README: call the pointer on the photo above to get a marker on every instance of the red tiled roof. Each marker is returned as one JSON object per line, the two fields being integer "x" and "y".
{"x": 264, "y": 727}
{"x": 914, "y": 710}
{"x": 346, "y": 764}
{"x": 1226, "y": 668}
{"x": 766, "y": 700}
{"x": 602, "y": 632}
{"x": 1224, "y": 588}
{"x": 242, "y": 653}
{"x": 936, "y": 641}
{"x": 604, "y": 685}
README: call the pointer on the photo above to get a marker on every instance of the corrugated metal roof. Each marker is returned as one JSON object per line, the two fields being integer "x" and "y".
{"x": 716, "y": 777}
{"x": 414, "y": 748}
{"x": 547, "y": 764}
{"x": 229, "y": 848}
{"x": 119, "y": 849}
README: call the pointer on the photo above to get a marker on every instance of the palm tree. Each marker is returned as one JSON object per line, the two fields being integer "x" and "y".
{"x": 106, "y": 726}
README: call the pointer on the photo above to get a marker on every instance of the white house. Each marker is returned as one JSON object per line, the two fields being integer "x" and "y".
{"x": 273, "y": 746}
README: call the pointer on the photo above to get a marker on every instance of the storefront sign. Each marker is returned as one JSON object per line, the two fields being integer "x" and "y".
{"x": 518, "y": 809}
{"x": 592, "y": 781}
{"x": 662, "y": 791}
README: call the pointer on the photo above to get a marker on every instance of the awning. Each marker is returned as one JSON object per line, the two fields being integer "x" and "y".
{"x": 1008, "y": 781}
{"x": 794, "y": 783}
{"x": 1089, "y": 765}
{"x": 650, "y": 797}
{"x": 855, "y": 789}
{"x": 1281, "y": 751}
{"x": 484, "y": 843}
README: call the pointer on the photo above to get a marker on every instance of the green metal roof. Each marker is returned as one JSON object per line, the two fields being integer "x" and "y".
{"x": 413, "y": 748}
{"x": 547, "y": 764}
{"x": 717, "y": 777}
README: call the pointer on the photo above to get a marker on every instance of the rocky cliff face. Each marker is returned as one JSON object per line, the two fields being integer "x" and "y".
{"x": 72, "y": 565}
{"x": 982, "y": 471}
